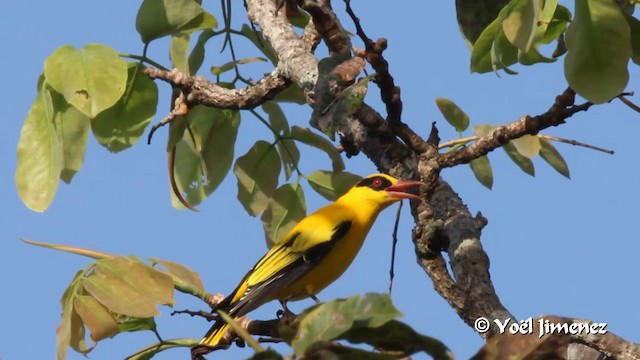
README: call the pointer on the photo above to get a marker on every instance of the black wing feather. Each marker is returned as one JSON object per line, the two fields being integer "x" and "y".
{"x": 286, "y": 276}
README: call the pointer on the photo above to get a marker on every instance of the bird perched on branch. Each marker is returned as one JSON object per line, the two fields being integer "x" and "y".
{"x": 313, "y": 254}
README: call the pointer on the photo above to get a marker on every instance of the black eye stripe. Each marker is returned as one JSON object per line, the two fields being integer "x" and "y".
{"x": 375, "y": 182}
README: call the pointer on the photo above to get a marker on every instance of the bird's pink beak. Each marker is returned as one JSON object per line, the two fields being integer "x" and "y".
{"x": 398, "y": 189}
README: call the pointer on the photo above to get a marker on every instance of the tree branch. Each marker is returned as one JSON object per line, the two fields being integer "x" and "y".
{"x": 389, "y": 92}
{"x": 296, "y": 62}
{"x": 199, "y": 90}
{"x": 562, "y": 109}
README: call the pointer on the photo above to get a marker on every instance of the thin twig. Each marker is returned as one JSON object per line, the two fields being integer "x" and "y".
{"x": 629, "y": 103}
{"x": 576, "y": 143}
{"x": 180, "y": 108}
{"x": 393, "y": 247}
{"x": 452, "y": 143}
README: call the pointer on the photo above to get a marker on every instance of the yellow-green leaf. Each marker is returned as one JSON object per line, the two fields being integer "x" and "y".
{"x": 453, "y": 114}
{"x": 218, "y": 70}
{"x": 95, "y": 317}
{"x": 481, "y": 168}
{"x": 257, "y": 172}
{"x": 527, "y": 145}
{"x": 482, "y": 129}
{"x": 182, "y": 272}
{"x": 73, "y": 127}
{"x": 122, "y": 125}
{"x": 599, "y": 47}
{"x": 520, "y": 25}
{"x": 91, "y": 79}
{"x": 523, "y": 162}
{"x": 40, "y": 155}
{"x": 156, "y": 285}
{"x": 119, "y": 297}
{"x": 179, "y": 51}
{"x": 329, "y": 320}
{"x": 308, "y": 137}
{"x": 331, "y": 185}
{"x": 159, "y": 18}
{"x": 150, "y": 351}
{"x": 255, "y": 36}
{"x": 286, "y": 208}
{"x": 634, "y": 27}
{"x": 200, "y": 167}
{"x": 551, "y": 155}
{"x": 126, "y": 286}
{"x": 287, "y": 148}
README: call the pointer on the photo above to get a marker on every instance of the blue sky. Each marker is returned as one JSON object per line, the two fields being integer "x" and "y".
{"x": 557, "y": 246}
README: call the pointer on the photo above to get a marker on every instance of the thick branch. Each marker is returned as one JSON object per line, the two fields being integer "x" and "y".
{"x": 296, "y": 62}
{"x": 199, "y": 90}
{"x": 368, "y": 132}
{"x": 562, "y": 109}
{"x": 329, "y": 27}
{"x": 609, "y": 344}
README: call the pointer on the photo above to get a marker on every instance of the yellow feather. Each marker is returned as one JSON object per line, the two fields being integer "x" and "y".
{"x": 314, "y": 253}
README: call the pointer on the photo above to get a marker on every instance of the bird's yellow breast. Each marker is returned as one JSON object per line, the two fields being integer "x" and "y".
{"x": 337, "y": 260}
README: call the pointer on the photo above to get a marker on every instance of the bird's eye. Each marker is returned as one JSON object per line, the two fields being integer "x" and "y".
{"x": 377, "y": 183}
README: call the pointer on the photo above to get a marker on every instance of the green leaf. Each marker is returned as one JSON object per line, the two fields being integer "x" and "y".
{"x": 523, "y": 162}
{"x": 331, "y": 185}
{"x": 482, "y": 129}
{"x": 483, "y": 52}
{"x": 527, "y": 145}
{"x": 399, "y": 339}
{"x": 549, "y": 153}
{"x": 634, "y": 27}
{"x": 308, "y": 137}
{"x": 95, "y": 316}
{"x": 453, "y": 114}
{"x": 200, "y": 167}
{"x": 122, "y": 125}
{"x": 292, "y": 94}
{"x": 218, "y": 70}
{"x": 40, "y": 155}
{"x": 599, "y": 47}
{"x": 182, "y": 272}
{"x": 73, "y": 127}
{"x": 557, "y": 25}
{"x": 257, "y": 172}
{"x": 277, "y": 118}
{"x": 481, "y": 168}
{"x": 91, "y": 79}
{"x": 179, "y": 51}
{"x": 287, "y": 148}
{"x": 474, "y": 16}
{"x": 259, "y": 41}
{"x": 159, "y": 18}
{"x": 285, "y": 209}
{"x": 329, "y": 320}
{"x": 520, "y": 25}
{"x": 503, "y": 54}
{"x": 196, "y": 58}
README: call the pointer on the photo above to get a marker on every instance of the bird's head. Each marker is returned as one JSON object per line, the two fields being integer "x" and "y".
{"x": 381, "y": 190}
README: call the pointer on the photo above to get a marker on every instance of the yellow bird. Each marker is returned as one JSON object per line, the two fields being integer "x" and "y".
{"x": 313, "y": 254}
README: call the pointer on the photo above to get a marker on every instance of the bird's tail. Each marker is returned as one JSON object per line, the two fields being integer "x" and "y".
{"x": 215, "y": 334}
